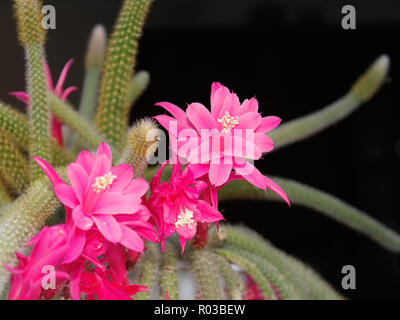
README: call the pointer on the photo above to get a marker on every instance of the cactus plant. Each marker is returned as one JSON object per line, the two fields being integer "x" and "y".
{"x": 114, "y": 227}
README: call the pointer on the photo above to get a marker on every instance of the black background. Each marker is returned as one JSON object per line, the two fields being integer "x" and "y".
{"x": 295, "y": 58}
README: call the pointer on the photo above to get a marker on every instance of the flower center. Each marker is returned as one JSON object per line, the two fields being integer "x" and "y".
{"x": 185, "y": 218}
{"x": 104, "y": 182}
{"x": 228, "y": 122}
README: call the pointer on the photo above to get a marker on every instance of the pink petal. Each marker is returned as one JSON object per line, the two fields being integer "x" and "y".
{"x": 131, "y": 239}
{"x": 86, "y": 160}
{"x": 124, "y": 174}
{"x": 217, "y": 101}
{"x": 251, "y": 174}
{"x": 82, "y": 220}
{"x": 104, "y": 149}
{"x": 249, "y": 120}
{"x": 249, "y": 106}
{"x": 214, "y": 87}
{"x": 67, "y": 92}
{"x": 108, "y": 227}
{"x": 116, "y": 203}
{"x": 168, "y": 123}
{"x": 263, "y": 142}
{"x": 200, "y": 117}
{"x": 187, "y": 231}
{"x": 78, "y": 178}
{"x": 277, "y": 189}
{"x": 76, "y": 245}
{"x": 66, "y": 195}
{"x": 21, "y": 96}
{"x": 199, "y": 169}
{"x": 268, "y": 124}
{"x": 231, "y": 105}
{"x": 219, "y": 173}
{"x": 49, "y": 171}
{"x": 62, "y": 77}
{"x": 138, "y": 187}
{"x": 177, "y": 112}
{"x": 208, "y": 213}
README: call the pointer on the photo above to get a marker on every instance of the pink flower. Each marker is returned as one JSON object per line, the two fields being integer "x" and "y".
{"x": 225, "y": 139}
{"x": 103, "y": 197}
{"x": 49, "y": 247}
{"x": 178, "y": 205}
{"x": 97, "y": 285}
{"x": 58, "y": 90}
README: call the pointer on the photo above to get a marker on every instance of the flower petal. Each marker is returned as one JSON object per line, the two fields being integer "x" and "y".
{"x": 66, "y": 195}
{"x": 49, "y": 171}
{"x": 219, "y": 173}
{"x": 117, "y": 203}
{"x": 108, "y": 227}
{"x": 86, "y": 160}
{"x": 124, "y": 174}
{"x": 208, "y": 213}
{"x": 131, "y": 239}
{"x": 268, "y": 123}
{"x": 82, "y": 221}
{"x": 78, "y": 178}
{"x": 217, "y": 101}
{"x": 277, "y": 189}
{"x": 200, "y": 117}
{"x": 251, "y": 174}
{"x": 249, "y": 106}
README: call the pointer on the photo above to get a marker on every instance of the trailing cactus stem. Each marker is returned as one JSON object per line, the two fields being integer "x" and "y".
{"x": 232, "y": 280}
{"x": 205, "y": 272}
{"x": 137, "y": 86}
{"x": 21, "y": 220}
{"x": 303, "y": 195}
{"x": 14, "y": 167}
{"x": 142, "y": 143}
{"x": 16, "y": 126}
{"x": 39, "y": 116}
{"x": 88, "y": 133}
{"x": 363, "y": 89}
{"x": 118, "y": 70}
{"x": 5, "y": 197}
{"x": 307, "y": 283}
{"x": 149, "y": 270}
{"x": 168, "y": 273}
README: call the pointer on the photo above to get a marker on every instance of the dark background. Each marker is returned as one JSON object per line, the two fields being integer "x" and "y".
{"x": 295, "y": 57}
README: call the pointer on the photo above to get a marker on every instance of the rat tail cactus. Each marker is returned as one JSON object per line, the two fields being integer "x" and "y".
{"x": 85, "y": 203}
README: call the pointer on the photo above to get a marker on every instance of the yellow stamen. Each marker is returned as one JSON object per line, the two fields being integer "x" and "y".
{"x": 228, "y": 122}
{"x": 104, "y": 182}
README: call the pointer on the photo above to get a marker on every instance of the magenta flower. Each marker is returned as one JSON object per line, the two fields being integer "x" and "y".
{"x": 104, "y": 197}
{"x": 58, "y": 90}
{"x": 225, "y": 139}
{"x": 49, "y": 247}
{"x": 178, "y": 206}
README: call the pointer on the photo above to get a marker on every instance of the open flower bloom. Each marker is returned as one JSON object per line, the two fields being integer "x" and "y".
{"x": 178, "y": 206}
{"x": 49, "y": 247}
{"x": 104, "y": 197}
{"x": 58, "y": 90}
{"x": 225, "y": 139}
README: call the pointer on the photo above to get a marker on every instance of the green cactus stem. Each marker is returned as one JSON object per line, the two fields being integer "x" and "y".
{"x": 169, "y": 273}
{"x": 14, "y": 167}
{"x": 363, "y": 89}
{"x": 32, "y": 37}
{"x": 150, "y": 268}
{"x": 232, "y": 280}
{"x": 303, "y": 195}
{"x": 205, "y": 272}
{"x": 21, "y": 220}
{"x": 137, "y": 86}
{"x": 307, "y": 283}
{"x": 85, "y": 130}
{"x": 118, "y": 70}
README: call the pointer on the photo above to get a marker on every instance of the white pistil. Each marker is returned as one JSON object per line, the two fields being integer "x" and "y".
{"x": 103, "y": 182}
{"x": 185, "y": 218}
{"x": 228, "y": 122}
